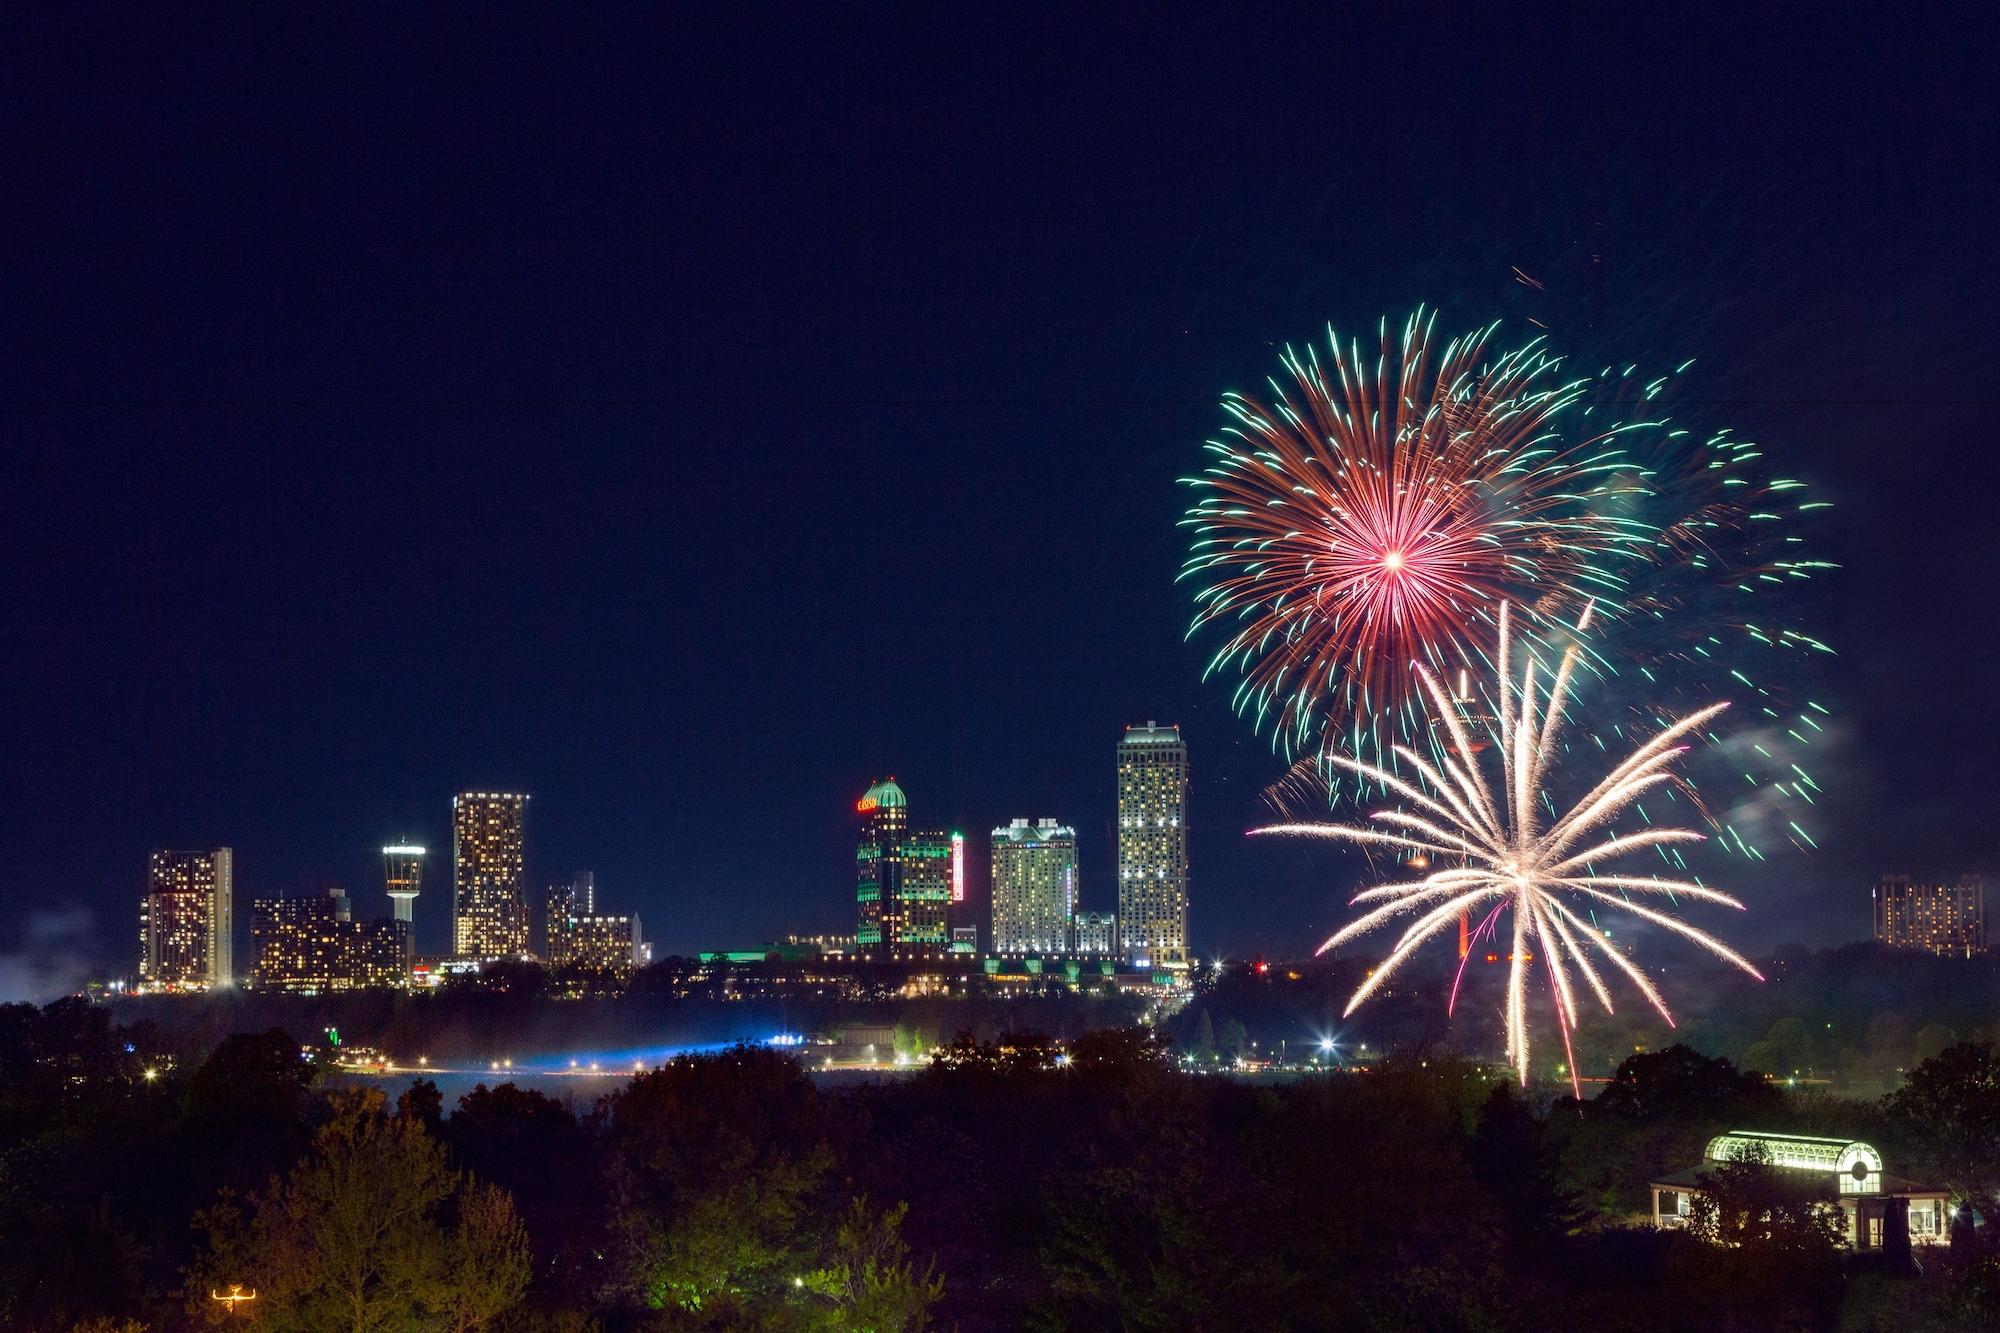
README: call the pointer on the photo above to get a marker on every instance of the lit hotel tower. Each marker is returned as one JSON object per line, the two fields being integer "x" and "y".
{"x": 187, "y": 920}
{"x": 1152, "y": 847}
{"x": 403, "y": 868}
{"x": 902, "y": 880}
{"x": 489, "y": 908}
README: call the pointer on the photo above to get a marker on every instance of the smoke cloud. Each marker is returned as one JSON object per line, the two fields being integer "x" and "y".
{"x": 53, "y": 961}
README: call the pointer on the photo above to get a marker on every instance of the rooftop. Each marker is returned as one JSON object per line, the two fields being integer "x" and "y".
{"x": 885, "y": 794}
{"x": 1041, "y": 831}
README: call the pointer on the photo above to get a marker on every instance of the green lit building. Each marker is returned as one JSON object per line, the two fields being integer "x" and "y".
{"x": 902, "y": 880}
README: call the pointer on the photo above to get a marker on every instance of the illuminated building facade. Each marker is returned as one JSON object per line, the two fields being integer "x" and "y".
{"x": 1941, "y": 918}
{"x": 1096, "y": 934}
{"x": 927, "y": 890}
{"x": 605, "y": 944}
{"x": 579, "y": 938}
{"x": 489, "y": 909}
{"x": 1876, "y": 1208}
{"x": 902, "y": 880}
{"x": 314, "y": 944}
{"x": 187, "y": 920}
{"x": 1034, "y": 887}
{"x": 1152, "y": 847}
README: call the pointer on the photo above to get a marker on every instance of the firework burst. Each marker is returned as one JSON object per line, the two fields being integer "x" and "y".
{"x": 1367, "y": 518}
{"x": 1498, "y": 853}
{"x": 1380, "y": 505}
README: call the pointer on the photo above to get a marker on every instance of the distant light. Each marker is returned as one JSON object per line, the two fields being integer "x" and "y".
{"x": 152, "y": 1074}
{"x": 403, "y": 851}
{"x": 1326, "y": 1043}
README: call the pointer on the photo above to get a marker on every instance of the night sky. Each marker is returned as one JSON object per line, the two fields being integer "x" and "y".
{"x": 686, "y": 417}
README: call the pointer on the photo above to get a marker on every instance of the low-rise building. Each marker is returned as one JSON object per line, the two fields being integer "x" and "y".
{"x": 1842, "y": 1172}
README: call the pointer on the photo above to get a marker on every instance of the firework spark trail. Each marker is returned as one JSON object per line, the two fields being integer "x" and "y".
{"x": 1514, "y": 860}
{"x": 1382, "y": 501}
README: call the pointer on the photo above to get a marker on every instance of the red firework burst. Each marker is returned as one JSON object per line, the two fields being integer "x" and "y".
{"x": 1359, "y": 523}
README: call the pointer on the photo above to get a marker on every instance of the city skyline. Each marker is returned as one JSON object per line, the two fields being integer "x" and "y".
{"x": 693, "y": 535}
{"x": 1957, "y": 900}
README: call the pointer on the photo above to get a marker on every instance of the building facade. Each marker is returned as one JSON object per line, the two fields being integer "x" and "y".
{"x": 578, "y": 937}
{"x": 489, "y": 909}
{"x": 1095, "y": 934}
{"x": 314, "y": 944}
{"x": 902, "y": 880}
{"x": 187, "y": 920}
{"x": 1941, "y": 918}
{"x": 1152, "y": 847}
{"x": 1034, "y": 887}
{"x": 606, "y": 944}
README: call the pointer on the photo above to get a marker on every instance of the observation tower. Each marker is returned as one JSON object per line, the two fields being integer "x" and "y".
{"x": 403, "y": 868}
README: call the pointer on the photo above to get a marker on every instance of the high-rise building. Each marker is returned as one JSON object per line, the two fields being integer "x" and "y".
{"x": 314, "y": 944}
{"x": 1034, "y": 887}
{"x": 1096, "y": 935}
{"x": 878, "y": 867}
{"x": 902, "y": 880}
{"x": 1152, "y": 847}
{"x": 403, "y": 869}
{"x": 1942, "y": 918}
{"x": 187, "y": 919}
{"x": 489, "y": 908}
{"x": 927, "y": 888}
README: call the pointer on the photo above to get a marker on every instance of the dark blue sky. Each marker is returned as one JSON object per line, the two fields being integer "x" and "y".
{"x": 686, "y": 417}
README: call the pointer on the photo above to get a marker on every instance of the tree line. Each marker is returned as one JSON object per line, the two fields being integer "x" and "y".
{"x": 1017, "y": 1182}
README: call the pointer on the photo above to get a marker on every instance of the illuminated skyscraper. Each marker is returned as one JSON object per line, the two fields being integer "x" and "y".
{"x": 1034, "y": 887}
{"x": 186, "y": 919}
{"x": 403, "y": 868}
{"x": 489, "y": 908}
{"x": 903, "y": 880}
{"x": 1152, "y": 847}
{"x": 927, "y": 888}
{"x": 1942, "y": 918}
